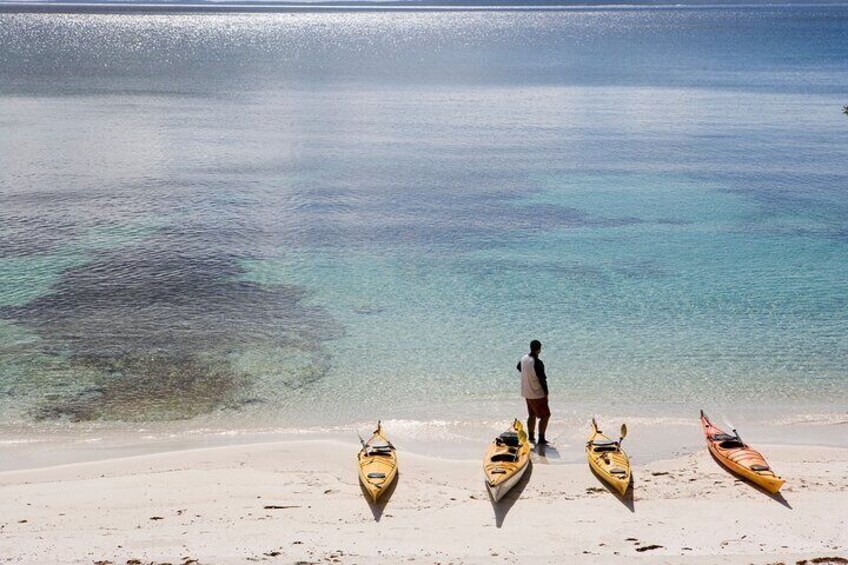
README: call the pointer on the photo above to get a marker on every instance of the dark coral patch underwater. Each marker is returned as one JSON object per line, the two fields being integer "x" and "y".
{"x": 156, "y": 326}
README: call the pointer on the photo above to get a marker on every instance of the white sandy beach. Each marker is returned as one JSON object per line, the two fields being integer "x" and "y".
{"x": 300, "y": 502}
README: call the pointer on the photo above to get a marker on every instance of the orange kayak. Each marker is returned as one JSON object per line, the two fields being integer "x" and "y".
{"x": 739, "y": 458}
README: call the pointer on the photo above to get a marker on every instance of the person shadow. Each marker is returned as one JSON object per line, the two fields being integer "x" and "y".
{"x": 378, "y": 507}
{"x": 626, "y": 499}
{"x": 503, "y": 506}
{"x": 777, "y": 497}
{"x": 544, "y": 453}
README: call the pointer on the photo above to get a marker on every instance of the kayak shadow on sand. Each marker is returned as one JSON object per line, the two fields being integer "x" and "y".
{"x": 778, "y": 497}
{"x": 378, "y": 507}
{"x": 503, "y": 506}
{"x": 626, "y": 499}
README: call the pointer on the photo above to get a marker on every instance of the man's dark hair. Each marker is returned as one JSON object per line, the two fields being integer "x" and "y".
{"x": 535, "y": 346}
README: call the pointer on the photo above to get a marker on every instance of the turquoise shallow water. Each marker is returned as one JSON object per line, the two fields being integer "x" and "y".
{"x": 264, "y": 221}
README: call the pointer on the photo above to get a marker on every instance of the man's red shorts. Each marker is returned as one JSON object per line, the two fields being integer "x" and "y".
{"x": 538, "y": 407}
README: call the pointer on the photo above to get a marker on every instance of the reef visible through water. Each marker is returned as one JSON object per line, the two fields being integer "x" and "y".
{"x": 147, "y": 336}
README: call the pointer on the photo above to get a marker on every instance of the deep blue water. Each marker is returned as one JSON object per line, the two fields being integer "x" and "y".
{"x": 323, "y": 217}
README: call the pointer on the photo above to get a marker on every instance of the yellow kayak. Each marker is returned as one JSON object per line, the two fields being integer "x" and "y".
{"x": 607, "y": 458}
{"x": 377, "y": 464}
{"x": 506, "y": 460}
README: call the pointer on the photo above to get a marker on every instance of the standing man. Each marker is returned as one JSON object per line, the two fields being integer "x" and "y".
{"x": 534, "y": 389}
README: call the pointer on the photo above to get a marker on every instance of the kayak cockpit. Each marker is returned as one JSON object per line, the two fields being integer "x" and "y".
{"x": 603, "y": 445}
{"x": 510, "y": 439}
{"x": 731, "y": 444}
{"x": 509, "y": 456}
{"x": 727, "y": 441}
{"x": 384, "y": 450}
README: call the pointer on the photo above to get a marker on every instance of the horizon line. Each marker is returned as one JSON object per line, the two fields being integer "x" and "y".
{"x": 402, "y": 5}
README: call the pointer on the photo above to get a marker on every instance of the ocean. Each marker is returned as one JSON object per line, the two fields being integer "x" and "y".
{"x": 289, "y": 221}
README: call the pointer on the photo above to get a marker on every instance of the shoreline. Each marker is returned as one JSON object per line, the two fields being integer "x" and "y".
{"x": 652, "y": 438}
{"x": 300, "y": 501}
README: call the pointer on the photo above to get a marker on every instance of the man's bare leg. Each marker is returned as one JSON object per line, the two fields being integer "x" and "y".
{"x": 543, "y": 425}
{"x": 531, "y": 427}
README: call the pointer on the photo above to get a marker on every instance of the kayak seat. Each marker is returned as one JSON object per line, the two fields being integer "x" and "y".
{"x": 760, "y": 468}
{"x": 604, "y": 445}
{"x": 384, "y": 450}
{"x": 509, "y": 438}
{"x": 722, "y": 437}
{"x": 603, "y": 442}
{"x": 505, "y": 456}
